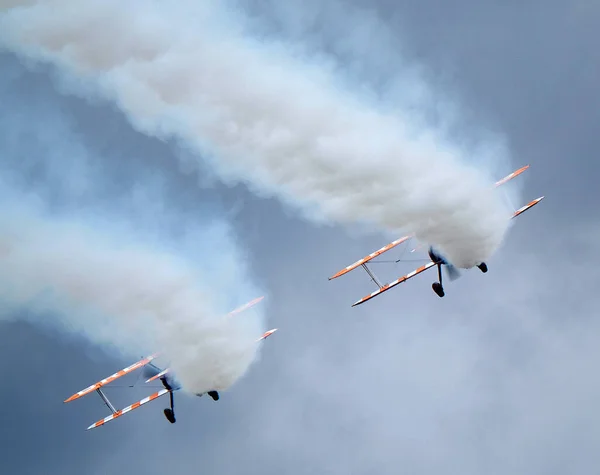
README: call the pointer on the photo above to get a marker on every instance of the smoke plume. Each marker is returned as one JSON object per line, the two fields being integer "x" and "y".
{"x": 262, "y": 114}
{"x": 95, "y": 245}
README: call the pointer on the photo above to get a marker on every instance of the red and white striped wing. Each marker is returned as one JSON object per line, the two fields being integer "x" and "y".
{"x": 395, "y": 283}
{"x": 127, "y": 409}
{"x": 373, "y": 255}
{"x": 514, "y": 174}
{"x": 267, "y": 334}
{"x": 111, "y": 378}
{"x": 252, "y": 303}
{"x": 529, "y": 205}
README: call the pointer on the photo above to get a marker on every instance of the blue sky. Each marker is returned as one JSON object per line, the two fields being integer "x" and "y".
{"x": 498, "y": 376}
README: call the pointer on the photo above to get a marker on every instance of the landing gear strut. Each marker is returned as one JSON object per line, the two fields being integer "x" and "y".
{"x": 169, "y": 411}
{"x": 439, "y": 261}
{"x": 437, "y": 286}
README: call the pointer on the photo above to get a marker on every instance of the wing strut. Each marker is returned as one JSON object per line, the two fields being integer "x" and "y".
{"x": 371, "y": 275}
{"x": 106, "y": 401}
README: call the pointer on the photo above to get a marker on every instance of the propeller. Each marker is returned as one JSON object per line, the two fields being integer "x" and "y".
{"x": 452, "y": 272}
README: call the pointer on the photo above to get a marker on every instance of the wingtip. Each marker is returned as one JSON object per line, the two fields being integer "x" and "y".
{"x": 267, "y": 334}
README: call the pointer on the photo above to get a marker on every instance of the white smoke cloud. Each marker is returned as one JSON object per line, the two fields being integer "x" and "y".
{"x": 262, "y": 115}
{"x": 82, "y": 253}
{"x": 119, "y": 293}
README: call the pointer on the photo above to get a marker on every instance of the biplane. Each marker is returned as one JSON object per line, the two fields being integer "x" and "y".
{"x": 152, "y": 372}
{"x": 435, "y": 257}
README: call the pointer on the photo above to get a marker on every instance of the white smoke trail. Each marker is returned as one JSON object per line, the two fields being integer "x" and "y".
{"x": 264, "y": 116}
{"x": 126, "y": 295}
{"x": 85, "y": 270}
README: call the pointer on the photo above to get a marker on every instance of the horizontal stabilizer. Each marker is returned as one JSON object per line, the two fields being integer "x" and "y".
{"x": 395, "y": 283}
{"x": 529, "y": 205}
{"x": 127, "y": 409}
{"x": 514, "y": 174}
{"x": 117, "y": 375}
{"x": 366, "y": 259}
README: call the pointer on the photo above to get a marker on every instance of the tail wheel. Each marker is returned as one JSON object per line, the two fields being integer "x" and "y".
{"x": 438, "y": 289}
{"x": 483, "y": 267}
{"x": 170, "y": 415}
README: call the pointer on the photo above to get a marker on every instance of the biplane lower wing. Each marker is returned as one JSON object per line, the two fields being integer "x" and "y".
{"x": 130, "y": 408}
{"x": 385, "y": 287}
{"x": 111, "y": 378}
{"x": 529, "y": 205}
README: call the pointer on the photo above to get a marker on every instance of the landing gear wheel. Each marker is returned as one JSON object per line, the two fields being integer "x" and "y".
{"x": 483, "y": 267}
{"x": 214, "y": 395}
{"x": 438, "y": 289}
{"x": 170, "y": 415}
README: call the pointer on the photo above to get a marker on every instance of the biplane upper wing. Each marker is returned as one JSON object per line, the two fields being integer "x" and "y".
{"x": 111, "y": 378}
{"x": 514, "y": 174}
{"x": 373, "y": 255}
{"x": 127, "y": 409}
{"x": 402, "y": 279}
{"x": 246, "y": 306}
